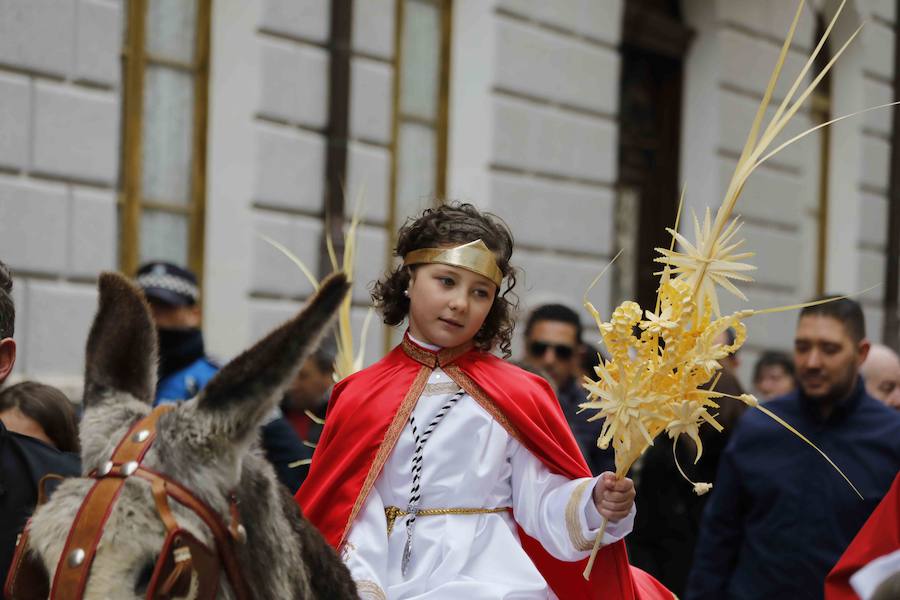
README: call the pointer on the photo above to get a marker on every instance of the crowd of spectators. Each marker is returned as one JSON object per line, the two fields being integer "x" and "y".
{"x": 776, "y": 522}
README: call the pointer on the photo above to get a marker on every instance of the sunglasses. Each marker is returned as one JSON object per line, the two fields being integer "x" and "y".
{"x": 562, "y": 351}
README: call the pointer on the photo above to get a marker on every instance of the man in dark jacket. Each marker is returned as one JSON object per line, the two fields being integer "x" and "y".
{"x": 24, "y": 460}
{"x": 553, "y": 345}
{"x": 780, "y": 516}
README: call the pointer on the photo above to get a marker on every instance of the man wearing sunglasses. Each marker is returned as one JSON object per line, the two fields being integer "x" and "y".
{"x": 553, "y": 346}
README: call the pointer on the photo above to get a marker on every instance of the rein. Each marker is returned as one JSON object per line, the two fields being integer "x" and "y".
{"x": 186, "y": 567}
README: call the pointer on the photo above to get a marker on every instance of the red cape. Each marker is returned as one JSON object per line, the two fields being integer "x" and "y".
{"x": 368, "y": 411}
{"x": 879, "y": 536}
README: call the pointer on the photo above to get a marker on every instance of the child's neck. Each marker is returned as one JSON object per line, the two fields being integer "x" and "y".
{"x": 425, "y": 345}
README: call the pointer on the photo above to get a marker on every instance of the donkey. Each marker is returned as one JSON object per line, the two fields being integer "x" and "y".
{"x": 207, "y": 446}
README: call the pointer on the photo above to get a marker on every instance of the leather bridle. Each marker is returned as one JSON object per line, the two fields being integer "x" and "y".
{"x": 186, "y": 567}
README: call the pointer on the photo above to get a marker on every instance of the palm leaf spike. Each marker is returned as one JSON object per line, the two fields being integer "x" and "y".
{"x": 754, "y": 148}
{"x": 346, "y": 362}
{"x": 645, "y": 389}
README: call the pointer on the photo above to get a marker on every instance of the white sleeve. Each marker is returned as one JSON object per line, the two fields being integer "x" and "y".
{"x": 557, "y": 511}
{"x": 365, "y": 549}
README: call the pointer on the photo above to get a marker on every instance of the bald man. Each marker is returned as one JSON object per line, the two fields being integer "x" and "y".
{"x": 881, "y": 370}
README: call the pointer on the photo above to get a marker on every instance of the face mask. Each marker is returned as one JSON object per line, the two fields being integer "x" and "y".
{"x": 178, "y": 348}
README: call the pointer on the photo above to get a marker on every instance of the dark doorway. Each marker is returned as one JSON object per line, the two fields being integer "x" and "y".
{"x": 654, "y": 42}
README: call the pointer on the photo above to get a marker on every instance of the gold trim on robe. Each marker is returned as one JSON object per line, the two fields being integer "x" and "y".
{"x": 573, "y": 520}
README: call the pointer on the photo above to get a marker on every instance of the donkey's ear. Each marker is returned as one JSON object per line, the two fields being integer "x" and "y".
{"x": 121, "y": 348}
{"x": 248, "y": 388}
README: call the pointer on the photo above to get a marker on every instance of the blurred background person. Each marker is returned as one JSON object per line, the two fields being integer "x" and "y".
{"x": 881, "y": 372}
{"x": 24, "y": 460}
{"x": 184, "y": 369}
{"x": 773, "y": 375}
{"x": 174, "y": 298}
{"x": 553, "y": 345}
{"x": 668, "y": 511}
{"x": 303, "y": 406}
{"x": 732, "y": 362}
{"x": 42, "y": 412}
{"x": 779, "y": 516}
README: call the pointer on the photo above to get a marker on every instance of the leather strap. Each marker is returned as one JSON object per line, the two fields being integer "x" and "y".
{"x": 81, "y": 545}
{"x": 84, "y": 536}
{"x": 221, "y": 533}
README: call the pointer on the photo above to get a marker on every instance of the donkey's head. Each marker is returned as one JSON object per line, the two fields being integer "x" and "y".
{"x": 205, "y": 444}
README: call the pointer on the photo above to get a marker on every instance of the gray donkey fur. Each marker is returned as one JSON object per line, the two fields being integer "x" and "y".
{"x": 208, "y": 444}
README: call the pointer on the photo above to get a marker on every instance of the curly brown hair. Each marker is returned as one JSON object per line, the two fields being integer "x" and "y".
{"x": 454, "y": 223}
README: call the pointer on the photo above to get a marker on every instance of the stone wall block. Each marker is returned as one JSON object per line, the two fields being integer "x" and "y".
{"x": 99, "y": 42}
{"x": 371, "y": 97}
{"x": 94, "y": 233}
{"x": 778, "y": 255}
{"x": 293, "y": 84}
{"x": 373, "y": 27}
{"x": 266, "y": 315}
{"x": 871, "y": 272}
{"x": 874, "y": 316}
{"x": 549, "y": 65}
{"x": 747, "y": 63}
{"x": 15, "y": 115}
{"x": 576, "y": 145}
{"x": 290, "y": 168}
{"x": 274, "y": 273}
{"x": 38, "y": 35}
{"x": 878, "y": 40}
{"x": 769, "y": 194}
{"x": 369, "y": 178}
{"x": 58, "y": 319}
{"x": 371, "y": 259}
{"x": 600, "y": 20}
{"x": 515, "y": 133}
{"x": 876, "y": 157}
{"x": 33, "y": 226}
{"x": 586, "y": 228}
{"x": 555, "y": 278}
{"x": 884, "y": 9}
{"x": 873, "y": 219}
{"x": 736, "y": 114}
{"x": 877, "y": 93}
{"x": 766, "y": 332}
{"x": 76, "y": 133}
{"x": 304, "y": 19}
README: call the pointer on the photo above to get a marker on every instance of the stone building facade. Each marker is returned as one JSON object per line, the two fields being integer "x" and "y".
{"x": 515, "y": 105}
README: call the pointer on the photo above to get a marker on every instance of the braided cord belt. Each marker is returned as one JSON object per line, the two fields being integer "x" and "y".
{"x": 416, "y": 491}
{"x": 393, "y": 513}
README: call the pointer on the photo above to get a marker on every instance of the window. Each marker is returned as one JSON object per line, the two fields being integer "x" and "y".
{"x": 162, "y": 179}
{"x": 420, "y": 106}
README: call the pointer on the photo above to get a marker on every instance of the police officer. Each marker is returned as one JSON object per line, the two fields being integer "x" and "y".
{"x": 173, "y": 294}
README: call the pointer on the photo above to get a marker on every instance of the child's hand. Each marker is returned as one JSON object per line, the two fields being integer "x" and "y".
{"x": 613, "y": 497}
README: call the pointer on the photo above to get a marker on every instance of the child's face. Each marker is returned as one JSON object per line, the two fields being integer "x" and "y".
{"x": 448, "y": 305}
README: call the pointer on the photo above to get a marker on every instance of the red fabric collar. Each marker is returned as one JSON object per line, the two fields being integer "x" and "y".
{"x": 369, "y": 409}
{"x": 432, "y": 358}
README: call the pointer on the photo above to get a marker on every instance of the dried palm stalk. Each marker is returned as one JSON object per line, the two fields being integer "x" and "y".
{"x": 346, "y": 361}
{"x": 659, "y": 359}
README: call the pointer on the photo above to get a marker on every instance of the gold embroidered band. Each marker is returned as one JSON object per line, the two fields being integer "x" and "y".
{"x": 369, "y": 590}
{"x": 573, "y": 521}
{"x": 474, "y": 256}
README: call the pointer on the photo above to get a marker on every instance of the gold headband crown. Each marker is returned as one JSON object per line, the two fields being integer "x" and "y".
{"x": 474, "y": 256}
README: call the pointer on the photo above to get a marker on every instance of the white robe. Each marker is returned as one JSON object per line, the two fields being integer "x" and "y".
{"x": 470, "y": 461}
